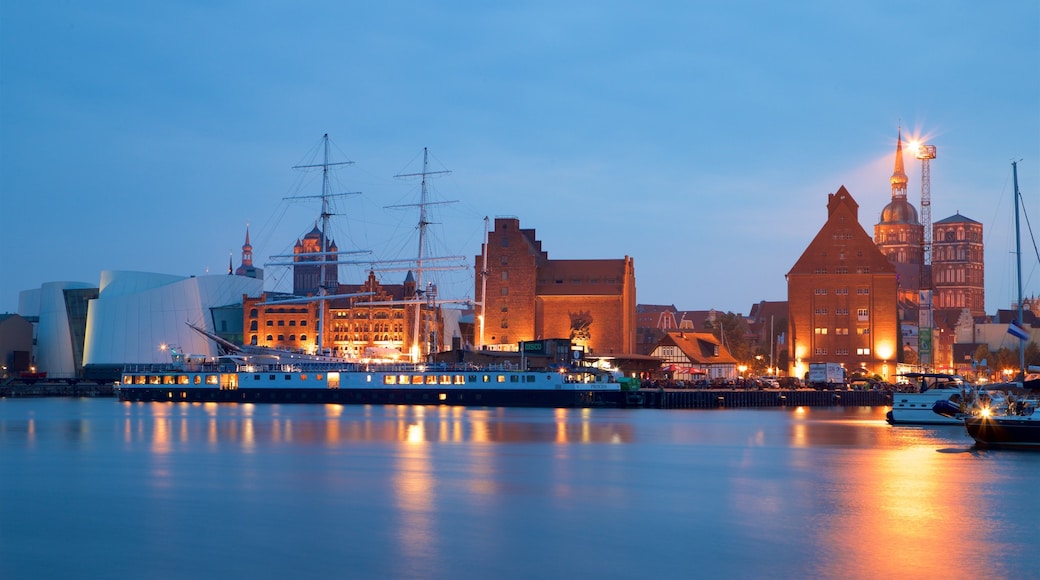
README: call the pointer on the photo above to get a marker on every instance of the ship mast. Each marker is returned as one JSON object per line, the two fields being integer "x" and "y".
{"x": 423, "y": 223}
{"x": 324, "y": 254}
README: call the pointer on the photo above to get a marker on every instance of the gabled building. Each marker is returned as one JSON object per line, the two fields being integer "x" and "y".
{"x": 842, "y": 297}
{"x": 652, "y": 322}
{"x": 694, "y": 356}
{"x": 526, "y": 296}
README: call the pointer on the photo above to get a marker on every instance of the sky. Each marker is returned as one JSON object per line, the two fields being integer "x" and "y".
{"x": 699, "y": 138}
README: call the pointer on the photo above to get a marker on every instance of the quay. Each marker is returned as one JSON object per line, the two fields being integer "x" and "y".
{"x": 18, "y": 389}
{"x": 742, "y": 399}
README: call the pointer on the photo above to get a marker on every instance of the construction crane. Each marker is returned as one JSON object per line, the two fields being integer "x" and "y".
{"x": 925, "y": 322}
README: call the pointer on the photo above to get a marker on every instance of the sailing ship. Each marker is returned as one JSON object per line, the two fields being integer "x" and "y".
{"x": 255, "y": 373}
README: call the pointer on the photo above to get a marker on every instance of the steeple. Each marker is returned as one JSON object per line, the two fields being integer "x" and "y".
{"x": 899, "y": 179}
{"x": 247, "y": 251}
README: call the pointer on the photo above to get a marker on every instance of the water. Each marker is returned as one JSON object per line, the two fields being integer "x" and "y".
{"x": 97, "y": 488}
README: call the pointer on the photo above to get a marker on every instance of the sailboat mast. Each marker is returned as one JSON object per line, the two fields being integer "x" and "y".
{"x": 1018, "y": 273}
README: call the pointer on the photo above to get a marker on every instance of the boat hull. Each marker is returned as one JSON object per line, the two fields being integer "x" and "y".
{"x": 1005, "y": 432}
{"x": 463, "y": 397}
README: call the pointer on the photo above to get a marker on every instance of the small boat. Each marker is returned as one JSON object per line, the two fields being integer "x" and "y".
{"x": 262, "y": 379}
{"x": 916, "y": 407}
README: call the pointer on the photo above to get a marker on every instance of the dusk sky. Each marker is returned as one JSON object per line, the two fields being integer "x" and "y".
{"x": 700, "y": 138}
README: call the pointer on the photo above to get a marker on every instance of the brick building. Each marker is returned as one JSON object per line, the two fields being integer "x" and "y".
{"x": 842, "y": 297}
{"x": 530, "y": 297}
{"x": 958, "y": 269}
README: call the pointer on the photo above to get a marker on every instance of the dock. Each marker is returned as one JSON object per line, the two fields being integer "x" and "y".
{"x": 743, "y": 399}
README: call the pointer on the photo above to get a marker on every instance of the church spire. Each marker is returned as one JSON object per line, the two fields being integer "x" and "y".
{"x": 247, "y": 251}
{"x": 899, "y": 179}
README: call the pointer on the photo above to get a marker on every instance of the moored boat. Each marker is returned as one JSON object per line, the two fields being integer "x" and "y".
{"x": 916, "y": 407}
{"x": 244, "y": 380}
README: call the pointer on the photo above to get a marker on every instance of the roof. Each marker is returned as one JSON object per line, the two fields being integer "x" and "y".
{"x": 700, "y": 347}
{"x": 956, "y": 218}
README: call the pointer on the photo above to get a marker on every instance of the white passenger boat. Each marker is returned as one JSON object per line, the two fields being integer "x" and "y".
{"x": 914, "y": 407}
{"x": 255, "y": 380}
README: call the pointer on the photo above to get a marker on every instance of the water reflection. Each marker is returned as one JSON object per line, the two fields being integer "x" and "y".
{"x": 165, "y": 425}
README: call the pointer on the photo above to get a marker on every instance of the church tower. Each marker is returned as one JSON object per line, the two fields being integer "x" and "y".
{"x": 308, "y": 258}
{"x": 900, "y": 236}
{"x": 247, "y": 269}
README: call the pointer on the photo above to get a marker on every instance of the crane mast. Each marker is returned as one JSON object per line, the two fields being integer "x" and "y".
{"x": 926, "y": 347}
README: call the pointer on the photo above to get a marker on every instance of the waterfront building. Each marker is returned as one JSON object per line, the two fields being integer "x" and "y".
{"x": 16, "y": 339}
{"x": 694, "y": 357}
{"x": 958, "y": 268}
{"x": 652, "y": 322}
{"x": 371, "y": 320}
{"x": 842, "y": 298}
{"x": 526, "y": 296}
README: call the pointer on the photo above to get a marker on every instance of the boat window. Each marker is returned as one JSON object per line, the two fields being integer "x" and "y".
{"x": 154, "y": 380}
{"x": 182, "y": 380}
{"x": 501, "y": 378}
{"x": 390, "y": 380}
{"x": 256, "y": 377}
{"x": 139, "y": 380}
{"x": 487, "y": 379}
{"x": 288, "y": 377}
{"x": 445, "y": 379}
{"x": 169, "y": 379}
{"x": 198, "y": 380}
{"x": 417, "y": 380}
{"x": 128, "y": 380}
{"x": 212, "y": 379}
{"x": 303, "y": 377}
{"x": 514, "y": 379}
{"x": 431, "y": 379}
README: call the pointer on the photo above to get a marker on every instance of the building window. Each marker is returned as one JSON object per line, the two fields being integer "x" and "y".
{"x": 841, "y": 270}
{"x": 841, "y": 351}
{"x": 252, "y": 325}
{"x": 841, "y": 332}
{"x": 821, "y": 311}
{"x": 863, "y": 351}
{"x": 281, "y": 323}
{"x": 820, "y": 270}
{"x": 820, "y": 330}
{"x": 863, "y": 330}
{"x": 505, "y": 309}
{"x": 270, "y": 323}
{"x": 841, "y": 291}
{"x": 505, "y": 323}
{"x": 841, "y": 311}
{"x": 292, "y": 323}
{"x": 505, "y": 291}
{"x": 505, "y": 275}
{"x": 252, "y": 313}
{"x": 862, "y": 291}
{"x": 820, "y": 291}
{"x": 862, "y": 314}
{"x": 820, "y": 350}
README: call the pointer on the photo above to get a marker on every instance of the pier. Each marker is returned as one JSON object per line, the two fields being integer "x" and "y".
{"x": 742, "y": 399}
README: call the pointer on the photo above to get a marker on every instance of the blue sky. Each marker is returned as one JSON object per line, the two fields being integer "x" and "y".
{"x": 700, "y": 138}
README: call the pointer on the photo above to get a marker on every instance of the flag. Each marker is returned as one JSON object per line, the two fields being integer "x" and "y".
{"x": 1016, "y": 330}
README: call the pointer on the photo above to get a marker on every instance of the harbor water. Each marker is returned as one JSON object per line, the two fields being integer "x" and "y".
{"x": 98, "y": 488}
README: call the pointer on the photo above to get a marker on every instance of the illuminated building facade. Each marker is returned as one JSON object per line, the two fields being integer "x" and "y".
{"x": 530, "y": 297}
{"x": 958, "y": 269}
{"x": 378, "y": 324}
{"x": 842, "y": 298}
